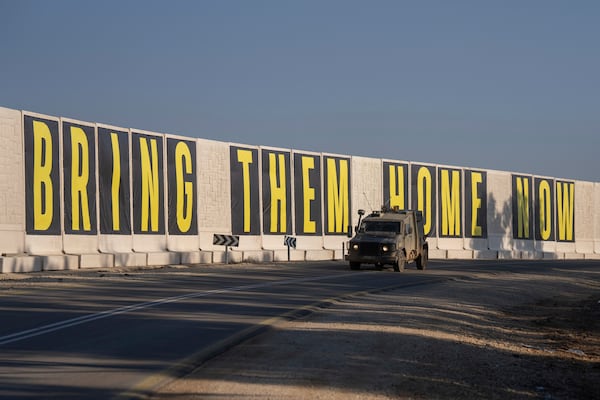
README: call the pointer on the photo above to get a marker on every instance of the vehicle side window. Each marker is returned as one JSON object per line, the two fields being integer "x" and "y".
{"x": 408, "y": 228}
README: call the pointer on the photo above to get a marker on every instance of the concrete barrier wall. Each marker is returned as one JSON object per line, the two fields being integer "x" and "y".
{"x": 584, "y": 213}
{"x": 12, "y": 183}
{"x": 596, "y": 218}
{"x": 451, "y": 209}
{"x": 367, "y": 185}
{"x": 109, "y": 242}
{"x": 280, "y": 211}
{"x": 544, "y": 248}
{"x": 308, "y": 204}
{"x": 77, "y": 194}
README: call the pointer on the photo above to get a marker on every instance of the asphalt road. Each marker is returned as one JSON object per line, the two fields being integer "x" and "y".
{"x": 103, "y": 334}
{"x": 122, "y": 333}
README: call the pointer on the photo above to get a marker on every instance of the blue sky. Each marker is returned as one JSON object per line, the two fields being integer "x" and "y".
{"x": 507, "y": 85}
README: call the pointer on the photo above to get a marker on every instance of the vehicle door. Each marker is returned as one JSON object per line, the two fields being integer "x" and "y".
{"x": 410, "y": 237}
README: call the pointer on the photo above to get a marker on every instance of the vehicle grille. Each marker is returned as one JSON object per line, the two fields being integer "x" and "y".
{"x": 369, "y": 249}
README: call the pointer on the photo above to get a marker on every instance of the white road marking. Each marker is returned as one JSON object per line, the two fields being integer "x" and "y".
{"x": 42, "y": 330}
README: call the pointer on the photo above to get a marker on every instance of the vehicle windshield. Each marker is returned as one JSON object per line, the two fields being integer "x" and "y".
{"x": 381, "y": 226}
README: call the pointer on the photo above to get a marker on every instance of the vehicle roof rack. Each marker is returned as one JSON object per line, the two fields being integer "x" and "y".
{"x": 395, "y": 210}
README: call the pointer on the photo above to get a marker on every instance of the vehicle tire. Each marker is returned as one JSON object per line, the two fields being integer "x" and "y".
{"x": 422, "y": 259}
{"x": 399, "y": 265}
{"x": 354, "y": 265}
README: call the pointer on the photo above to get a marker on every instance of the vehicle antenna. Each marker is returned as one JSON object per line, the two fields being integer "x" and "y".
{"x": 369, "y": 204}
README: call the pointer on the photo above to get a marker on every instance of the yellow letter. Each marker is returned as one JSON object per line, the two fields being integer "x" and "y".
{"x": 116, "y": 180}
{"x": 450, "y": 203}
{"x": 545, "y": 210}
{"x": 308, "y": 163}
{"x": 476, "y": 179}
{"x": 150, "y": 185}
{"x": 565, "y": 195}
{"x": 80, "y": 174}
{"x": 424, "y": 197}
{"x": 42, "y": 180}
{"x": 278, "y": 193}
{"x": 523, "y": 207}
{"x": 397, "y": 187}
{"x": 183, "y": 157}
{"x": 245, "y": 157}
{"x": 337, "y": 199}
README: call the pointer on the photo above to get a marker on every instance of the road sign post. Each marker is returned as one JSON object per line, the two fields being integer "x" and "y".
{"x": 227, "y": 241}
{"x": 289, "y": 241}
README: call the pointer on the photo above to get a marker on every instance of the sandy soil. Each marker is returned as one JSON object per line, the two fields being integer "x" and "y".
{"x": 482, "y": 336}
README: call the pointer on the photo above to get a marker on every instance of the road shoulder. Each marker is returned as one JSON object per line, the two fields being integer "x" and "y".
{"x": 487, "y": 335}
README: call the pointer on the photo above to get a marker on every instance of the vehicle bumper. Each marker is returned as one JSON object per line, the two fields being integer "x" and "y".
{"x": 364, "y": 259}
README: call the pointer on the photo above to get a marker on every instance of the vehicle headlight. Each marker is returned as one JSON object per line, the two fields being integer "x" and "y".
{"x": 387, "y": 247}
{"x": 355, "y": 246}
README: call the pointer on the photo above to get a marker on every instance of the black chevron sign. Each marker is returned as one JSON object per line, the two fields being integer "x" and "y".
{"x": 290, "y": 241}
{"x": 226, "y": 240}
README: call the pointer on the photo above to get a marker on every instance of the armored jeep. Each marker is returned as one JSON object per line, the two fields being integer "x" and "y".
{"x": 388, "y": 237}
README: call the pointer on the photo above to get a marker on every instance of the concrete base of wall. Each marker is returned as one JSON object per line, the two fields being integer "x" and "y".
{"x": 319, "y": 255}
{"x": 131, "y": 259}
{"x": 257, "y": 256}
{"x": 282, "y": 255}
{"x": 164, "y": 258}
{"x": 339, "y": 254}
{"x": 532, "y": 255}
{"x": 196, "y": 257}
{"x": 552, "y": 256}
{"x": 509, "y": 255}
{"x": 27, "y": 263}
{"x": 17, "y": 264}
{"x": 436, "y": 254}
{"x": 96, "y": 261}
{"x": 60, "y": 262}
{"x": 485, "y": 255}
{"x": 230, "y": 257}
{"x": 459, "y": 254}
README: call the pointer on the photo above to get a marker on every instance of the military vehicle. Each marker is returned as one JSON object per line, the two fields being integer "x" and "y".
{"x": 388, "y": 237}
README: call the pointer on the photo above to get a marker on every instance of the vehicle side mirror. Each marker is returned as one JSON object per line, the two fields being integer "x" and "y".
{"x": 350, "y": 231}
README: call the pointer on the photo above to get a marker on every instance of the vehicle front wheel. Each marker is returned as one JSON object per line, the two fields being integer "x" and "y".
{"x": 399, "y": 265}
{"x": 422, "y": 259}
{"x": 354, "y": 265}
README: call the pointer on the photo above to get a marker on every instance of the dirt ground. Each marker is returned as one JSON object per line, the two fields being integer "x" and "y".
{"x": 482, "y": 336}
